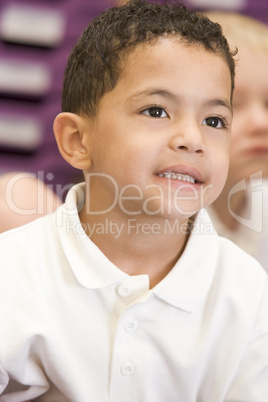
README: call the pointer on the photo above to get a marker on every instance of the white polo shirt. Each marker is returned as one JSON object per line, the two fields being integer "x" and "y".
{"x": 73, "y": 327}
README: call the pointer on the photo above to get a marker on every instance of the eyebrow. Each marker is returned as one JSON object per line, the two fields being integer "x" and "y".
{"x": 150, "y": 92}
{"x": 220, "y": 102}
{"x": 169, "y": 95}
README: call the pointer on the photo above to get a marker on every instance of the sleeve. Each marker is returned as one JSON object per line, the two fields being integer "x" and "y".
{"x": 250, "y": 383}
{"x": 12, "y": 391}
{"x": 3, "y": 380}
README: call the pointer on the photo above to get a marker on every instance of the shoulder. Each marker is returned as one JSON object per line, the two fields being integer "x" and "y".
{"x": 233, "y": 257}
{"x": 38, "y": 230}
{"x": 27, "y": 243}
{"x": 242, "y": 281}
{"x": 22, "y": 232}
{"x": 41, "y": 241}
{"x": 229, "y": 264}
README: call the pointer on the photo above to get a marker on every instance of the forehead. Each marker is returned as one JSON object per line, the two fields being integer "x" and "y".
{"x": 251, "y": 70}
{"x": 166, "y": 45}
{"x": 171, "y": 63}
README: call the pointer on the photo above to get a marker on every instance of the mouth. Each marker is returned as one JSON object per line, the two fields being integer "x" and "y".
{"x": 258, "y": 151}
{"x": 178, "y": 176}
{"x": 186, "y": 174}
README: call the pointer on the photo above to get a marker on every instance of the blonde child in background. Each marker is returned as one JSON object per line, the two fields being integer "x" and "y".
{"x": 240, "y": 213}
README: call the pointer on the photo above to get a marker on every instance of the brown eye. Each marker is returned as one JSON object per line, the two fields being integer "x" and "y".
{"x": 155, "y": 112}
{"x": 214, "y": 122}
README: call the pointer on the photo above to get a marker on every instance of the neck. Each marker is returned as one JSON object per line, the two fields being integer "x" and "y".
{"x": 138, "y": 244}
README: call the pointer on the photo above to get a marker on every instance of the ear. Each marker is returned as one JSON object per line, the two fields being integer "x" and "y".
{"x": 70, "y": 130}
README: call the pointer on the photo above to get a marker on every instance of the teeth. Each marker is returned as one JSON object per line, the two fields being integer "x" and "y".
{"x": 178, "y": 176}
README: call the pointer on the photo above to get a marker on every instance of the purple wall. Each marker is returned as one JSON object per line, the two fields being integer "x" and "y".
{"x": 255, "y": 8}
{"x": 35, "y": 41}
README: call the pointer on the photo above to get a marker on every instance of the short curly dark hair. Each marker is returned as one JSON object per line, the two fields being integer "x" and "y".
{"x": 94, "y": 65}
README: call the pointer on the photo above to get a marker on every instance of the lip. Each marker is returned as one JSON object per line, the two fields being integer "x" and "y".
{"x": 258, "y": 150}
{"x": 185, "y": 170}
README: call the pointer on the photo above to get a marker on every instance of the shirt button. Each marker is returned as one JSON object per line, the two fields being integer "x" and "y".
{"x": 131, "y": 326}
{"x": 124, "y": 291}
{"x": 127, "y": 369}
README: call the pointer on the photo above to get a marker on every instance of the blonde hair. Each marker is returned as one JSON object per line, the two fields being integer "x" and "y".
{"x": 241, "y": 30}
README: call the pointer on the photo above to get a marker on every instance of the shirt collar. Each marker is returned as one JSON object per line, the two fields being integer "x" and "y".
{"x": 184, "y": 287}
{"x": 188, "y": 283}
{"x": 90, "y": 266}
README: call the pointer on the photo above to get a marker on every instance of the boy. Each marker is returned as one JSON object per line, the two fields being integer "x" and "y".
{"x": 124, "y": 295}
{"x": 245, "y": 220}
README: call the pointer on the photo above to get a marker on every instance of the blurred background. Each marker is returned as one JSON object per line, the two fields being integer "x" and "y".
{"x": 35, "y": 40}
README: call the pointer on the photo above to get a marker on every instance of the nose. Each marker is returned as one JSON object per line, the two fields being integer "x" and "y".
{"x": 187, "y": 137}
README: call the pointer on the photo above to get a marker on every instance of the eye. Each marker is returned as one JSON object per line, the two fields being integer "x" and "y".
{"x": 215, "y": 122}
{"x": 155, "y": 112}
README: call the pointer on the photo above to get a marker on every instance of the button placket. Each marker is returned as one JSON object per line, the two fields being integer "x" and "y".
{"x": 124, "y": 290}
{"x": 130, "y": 293}
{"x": 127, "y": 369}
{"x": 131, "y": 326}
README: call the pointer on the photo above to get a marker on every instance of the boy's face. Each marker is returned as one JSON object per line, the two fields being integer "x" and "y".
{"x": 167, "y": 120}
{"x": 249, "y": 144}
